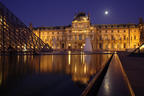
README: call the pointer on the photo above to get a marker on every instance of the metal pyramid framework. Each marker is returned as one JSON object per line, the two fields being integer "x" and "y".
{"x": 138, "y": 51}
{"x": 15, "y": 36}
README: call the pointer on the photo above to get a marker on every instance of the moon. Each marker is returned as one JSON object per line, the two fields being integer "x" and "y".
{"x": 106, "y": 12}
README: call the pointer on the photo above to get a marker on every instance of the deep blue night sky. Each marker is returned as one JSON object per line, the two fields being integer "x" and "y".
{"x": 61, "y": 12}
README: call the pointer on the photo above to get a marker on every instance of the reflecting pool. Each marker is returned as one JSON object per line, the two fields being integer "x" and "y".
{"x": 48, "y": 75}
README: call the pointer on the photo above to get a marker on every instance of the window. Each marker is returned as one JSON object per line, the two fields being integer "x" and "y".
{"x": 112, "y": 37}
{"x": 134, "y": 37}
{"x": 124, "y": 37}
{"x": 106, "y": 46}
{"x": 92, "y": 37}
{"x": 106, "y": 31}
{"x": 124, "y": 45}
{"x": 118, "y": 46}
{"x": 47, "y": 40}
{"x": 75, "y": 37}
{"x": 134, "y": 46}
{"x": 119, "y": 38}
{"x": 63, "y": 38}
{"x": 80, "y": 37}
{"x": 106, "y": 37}
{"x": 48, "y": 37}
{"x": 100, "y": 37}
{"x": 69, "y": 38}
{"x": 112, "y": 46}
{"x": 100, "y": 46}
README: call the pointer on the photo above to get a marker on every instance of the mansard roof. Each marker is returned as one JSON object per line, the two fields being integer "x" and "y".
{"x": 94, "y": 25}
{"x": 115, "y": 25}
{"x": 52, "y": 28}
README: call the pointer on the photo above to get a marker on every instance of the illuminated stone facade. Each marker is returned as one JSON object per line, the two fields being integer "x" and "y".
{"x": 113, "y": 37}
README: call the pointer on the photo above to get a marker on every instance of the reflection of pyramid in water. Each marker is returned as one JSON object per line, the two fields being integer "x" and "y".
{"x": 139, "y": 50}
{"x": 87, "y": 59}
{"x": 88, "y": 46}
{"x": 54, "y": 44}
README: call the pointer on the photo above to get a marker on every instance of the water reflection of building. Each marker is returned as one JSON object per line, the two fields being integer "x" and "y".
{"x": 116, "y": 37}
{"x": 79, "y": 67}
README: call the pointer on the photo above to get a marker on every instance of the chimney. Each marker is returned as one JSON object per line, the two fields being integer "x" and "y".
{"x": 89, "y": 16}
{"x": 30, "y": 26}
{"x": 141, "y": 20}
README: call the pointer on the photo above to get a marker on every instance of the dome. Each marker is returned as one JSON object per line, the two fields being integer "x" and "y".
{"x": 81, "y": 16}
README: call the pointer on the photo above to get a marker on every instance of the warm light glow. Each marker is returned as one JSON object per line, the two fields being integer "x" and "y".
{"x": 75, "y": 69}
{"x": 142, "y": 47}
{"x": 24, "y": 49}
{"x": 106, "y": 85}
{"x": 25, "y": 58}
{"x": 85, "y": 68}
{"x": 69, "y": 58}
{"x": 69, "y": 52}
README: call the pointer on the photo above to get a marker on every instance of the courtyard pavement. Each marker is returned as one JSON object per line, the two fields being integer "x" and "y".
{"x": 134, "y": 68}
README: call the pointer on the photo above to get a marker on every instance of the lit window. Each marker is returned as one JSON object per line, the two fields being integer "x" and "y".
{"x": 106, "y": 31}
{"x": 134, "y": 37}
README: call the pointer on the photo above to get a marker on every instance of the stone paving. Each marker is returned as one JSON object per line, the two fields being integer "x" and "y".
{"x": 134, "y": 68}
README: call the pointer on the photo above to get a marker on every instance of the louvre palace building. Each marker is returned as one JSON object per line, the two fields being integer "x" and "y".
{"x": 112, "y": 37}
